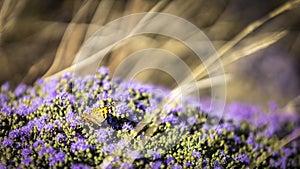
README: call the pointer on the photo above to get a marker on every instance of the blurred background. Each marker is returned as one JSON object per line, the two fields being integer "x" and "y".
{"x": 41, "y": 38}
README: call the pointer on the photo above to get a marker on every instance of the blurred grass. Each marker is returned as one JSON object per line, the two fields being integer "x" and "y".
{"x": 42, "y": 37}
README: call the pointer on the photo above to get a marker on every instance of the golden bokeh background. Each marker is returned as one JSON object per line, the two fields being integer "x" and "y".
{"x": 41, "y": 38}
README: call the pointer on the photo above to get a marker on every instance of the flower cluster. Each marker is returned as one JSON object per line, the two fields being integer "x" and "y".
{"x": 51, "y": 125}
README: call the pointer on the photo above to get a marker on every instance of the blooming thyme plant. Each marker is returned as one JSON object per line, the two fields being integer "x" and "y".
{"x": 42, "y": 126}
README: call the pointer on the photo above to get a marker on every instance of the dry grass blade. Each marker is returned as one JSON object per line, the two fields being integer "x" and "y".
{"x": 244, "y": 33}
{"x": 70, "y": 44}
{"x": 294, "y": 135}
{"x": 100, "y": 16}
{"x": 91, "y": 59}
{"x": 200, "y": 71}
{"x": 262, "y": 43}
{"x": 136, "y": 25}
{"x": 8, "y": 14}
{"x": 292, "y": 106}
{"x": 255, "y": 46}
{"x": 258, "y": 23}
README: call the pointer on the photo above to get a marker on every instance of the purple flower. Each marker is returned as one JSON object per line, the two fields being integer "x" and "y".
{"x": 274, "y": 163}
{"x": 116, "y": 159}
{"x": 70, "y": 116}
{"x": 23, "y": 138}
{"x": 204, "y": 163}
{"x": 126, "y": 165}
{"x": 3, "y": 97}
{"x": 7, "y": 142}
{"x": 50, "y": 150}
{"x": 176, "y": 166}
{"x": 72, "y": 99}
{"x": 106, "y": 165}
{"x": 104, "y": 96}
{"x": 49, "y": 127}
{"x": 188, "y": 164}
{"x": 170, "y": 160}
{"x": 23, "y": 110}
{"x": 127, "y": 126}
{"x": 155, "y": 155}
{"x": 67, "y": 76}
{"x": 20, "y": 90}
{"x": 133, "y": 154}
{"x": 27, "y": 160}
{"x": 26, "y": 129}
{"x": 238, "y": 111}
{"x": 122, "y": 143}
{"x": 183, "y": 126}
{"x": 32, "y": 91}
{"x": 106, "y": 85}
{"x": 38, "y": 143}
{"x": 156, "y": 164}
{"x": 40, "y": 122}
{"x": 50, "y": 89}
{"x": 103, "y": 71}
{"x": 73, "y": 124}
{"x": 18, "y": 145}
{"x": 59, "y": 123}
{"x": 121, "y": 109}
{"x": 109, "y": 148}
{"x": 26, "y": 152}
{"x": 170, "y": 118}
{"x": 237, "y": 139}
{"x": 42, "y": 151}
{"x": 273, "y": 106}
{"x": 6, "y": 109}
{"x": 59, "y": 157}
{"x": 36, "y": 102}
{"x": 197, "y": 154}
{"x": 80, "y": 166}
{"x": 59, "y": 137}
{"x": 191, "y": 120}
{"x": 39, "y": 81}
{"x": 227, "y": 126}
{"x": 14, "y": 133}
{"x": 102, "y": 135}
{"x": 253, "y": 143}
{"x": 79, "y": 145}
{"x": 287, "y": 151}
{"x": 121, "y": 95}
{"x": 217, "y": 165}
{"x": 243, "y": 159}
{"x": 5, "y": 86}
{"x": 141, "y": 106}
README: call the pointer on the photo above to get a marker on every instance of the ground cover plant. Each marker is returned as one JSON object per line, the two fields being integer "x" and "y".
{"x": 92, "y": 121}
